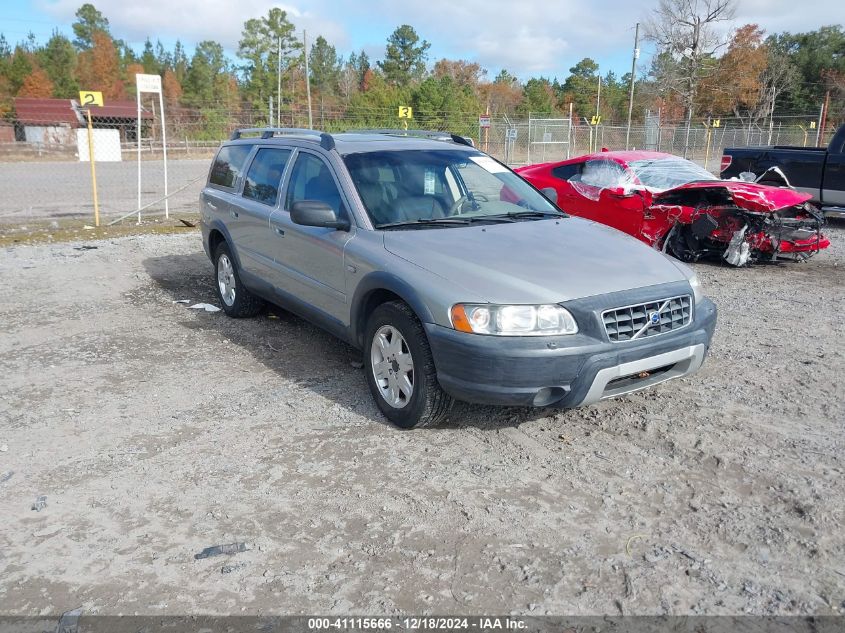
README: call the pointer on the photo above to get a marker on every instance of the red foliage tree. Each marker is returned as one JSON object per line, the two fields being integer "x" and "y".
{"x": 37, "y": 84}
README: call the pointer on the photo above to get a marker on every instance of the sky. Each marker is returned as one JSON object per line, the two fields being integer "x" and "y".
{"x": 526, "y": 37}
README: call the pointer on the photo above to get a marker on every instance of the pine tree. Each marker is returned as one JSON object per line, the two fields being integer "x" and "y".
{"x": 258, "y": 48}
{"x": 88, "y": 22}
{"x": 58, "y": 58}
{"x": 324, "y": 67}
{"x": 148, "y": 59}
{"x": 201, "y": 79}
{"x": 404, "y": 57}
{"x": 19, "y": 67}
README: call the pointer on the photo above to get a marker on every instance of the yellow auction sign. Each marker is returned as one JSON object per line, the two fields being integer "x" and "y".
{"x": 405, "y": 113}
{"x": 92, "y": 98}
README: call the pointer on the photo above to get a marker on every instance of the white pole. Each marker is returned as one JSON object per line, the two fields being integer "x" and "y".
{"x": 631, "y": 90}
{"x": 164, "y": 150}
{"x": 308, "y": 81}
{"x": 279, "y": 86}
{"x": 138, "y": 135}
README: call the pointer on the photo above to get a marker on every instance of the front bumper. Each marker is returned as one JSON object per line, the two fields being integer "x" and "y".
{"x": 565, "y": 371}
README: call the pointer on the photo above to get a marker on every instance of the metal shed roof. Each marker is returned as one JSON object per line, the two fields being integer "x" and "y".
{"x": 46, "y": 111}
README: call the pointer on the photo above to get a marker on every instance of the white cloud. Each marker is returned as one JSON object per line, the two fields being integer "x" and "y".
{"x": 776, "y": 16}
{"x": 195, "y": 20}
{"x": 528, "y": 37}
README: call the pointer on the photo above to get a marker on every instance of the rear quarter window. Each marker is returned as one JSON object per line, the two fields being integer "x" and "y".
{"x": 227, "y": 165}
{"x": 565, "y": 172}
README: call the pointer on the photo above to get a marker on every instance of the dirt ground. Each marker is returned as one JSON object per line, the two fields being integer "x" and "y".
{"x": 155, "y": 431}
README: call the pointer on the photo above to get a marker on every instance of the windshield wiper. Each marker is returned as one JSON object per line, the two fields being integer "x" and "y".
{"x": 426, "y": 222}
{"x": 458, "y": 221}
{"x": 518, "y": 215}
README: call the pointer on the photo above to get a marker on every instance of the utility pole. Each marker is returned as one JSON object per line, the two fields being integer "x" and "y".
{"x": 598, "y": 97}
{"x": 823, "y": 119}
{"x": 692, "y": 69}
{"x": 308, "y": 80}
{"x": 631, "y": 91}
{"x": 279, "y": 84}
{"x": 771, "y": 118}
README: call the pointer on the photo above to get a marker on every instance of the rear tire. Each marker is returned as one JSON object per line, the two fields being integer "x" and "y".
{"x": 237, "y": 301}
{"x": 400, "y": 368}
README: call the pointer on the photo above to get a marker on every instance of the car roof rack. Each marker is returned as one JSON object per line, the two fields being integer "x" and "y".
{"x": 438, "y": 136}
{"x": 326, "y": 140}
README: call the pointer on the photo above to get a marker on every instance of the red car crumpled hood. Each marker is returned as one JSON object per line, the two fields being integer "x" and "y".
{"x": 746, "y": 195}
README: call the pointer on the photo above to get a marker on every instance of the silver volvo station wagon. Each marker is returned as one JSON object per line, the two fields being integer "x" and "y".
{"x": 455, "y": 277}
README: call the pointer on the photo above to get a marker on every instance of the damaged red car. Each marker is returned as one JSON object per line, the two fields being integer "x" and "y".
{"x": 675, "y": 205}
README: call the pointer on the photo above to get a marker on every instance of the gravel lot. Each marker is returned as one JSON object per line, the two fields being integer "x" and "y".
{"x": 155, "y": 431}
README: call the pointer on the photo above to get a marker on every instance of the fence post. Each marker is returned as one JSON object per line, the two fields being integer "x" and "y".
{"x": 528, "y": 155}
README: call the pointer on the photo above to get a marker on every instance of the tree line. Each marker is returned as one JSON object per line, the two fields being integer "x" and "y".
{"x": 694, "y": 73}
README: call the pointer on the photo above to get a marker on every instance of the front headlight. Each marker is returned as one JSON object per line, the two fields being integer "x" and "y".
{"x": 512, "y": 320}
{"x": 697, "y": 293}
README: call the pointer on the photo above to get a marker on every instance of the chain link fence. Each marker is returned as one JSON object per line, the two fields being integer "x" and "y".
{"x": 46, "y": 157}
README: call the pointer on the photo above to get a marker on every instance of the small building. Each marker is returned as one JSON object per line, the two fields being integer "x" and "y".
{"x": 46, "y": 121}
{"x": 7, "y": 132}
{"x": 118, "y": 115}
{"x": 53, "y": 121}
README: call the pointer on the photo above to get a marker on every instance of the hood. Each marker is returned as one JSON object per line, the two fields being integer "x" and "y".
{"x": 745, "y": 195}
{"x": 543, "y": 261}
{"x": 530, "y": 169}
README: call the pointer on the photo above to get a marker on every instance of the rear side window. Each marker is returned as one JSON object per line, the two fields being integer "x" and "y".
{"x": 265, "y": 175}
{"x": 565, "y": 172}
{"x": 228, "y": 164}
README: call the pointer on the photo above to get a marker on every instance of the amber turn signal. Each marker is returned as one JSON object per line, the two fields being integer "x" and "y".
{"x": 459, "y": 318}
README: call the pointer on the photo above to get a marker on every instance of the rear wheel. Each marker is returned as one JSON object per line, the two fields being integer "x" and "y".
{"x": 400, "y": 369}
{"x": 238, "y": 302}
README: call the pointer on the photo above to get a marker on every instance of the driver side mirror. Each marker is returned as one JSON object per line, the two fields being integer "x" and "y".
{"x": 550, "y": 193}
{"x": 317, "y": 213}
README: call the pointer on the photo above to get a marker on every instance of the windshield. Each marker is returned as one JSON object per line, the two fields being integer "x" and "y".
{"x": 668, "y": 173}
{"x": 443, "y": 187}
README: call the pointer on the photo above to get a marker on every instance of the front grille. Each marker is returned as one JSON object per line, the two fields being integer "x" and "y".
{"x": 639, "y": 321}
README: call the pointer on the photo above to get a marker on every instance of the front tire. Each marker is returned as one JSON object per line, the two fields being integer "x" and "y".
{"x": 400, "y": 368}
{"x": 237, "y": 301}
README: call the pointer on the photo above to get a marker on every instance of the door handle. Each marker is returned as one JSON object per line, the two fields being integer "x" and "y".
{"x": 279, "y": 230}
{"x": 212, "y": 205}
{"x": 234, "y": 214}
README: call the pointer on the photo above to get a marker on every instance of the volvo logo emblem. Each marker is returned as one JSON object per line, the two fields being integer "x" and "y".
{"x": 654, "y": 318}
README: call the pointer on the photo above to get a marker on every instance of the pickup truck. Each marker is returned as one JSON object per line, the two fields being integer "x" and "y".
{"x": 818, "y": 171}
